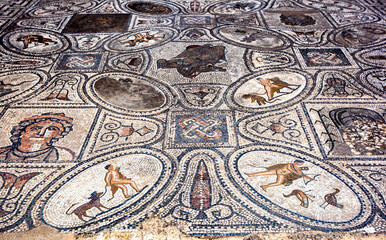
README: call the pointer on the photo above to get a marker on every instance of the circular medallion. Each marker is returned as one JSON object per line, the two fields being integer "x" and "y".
{"x": 128, "y": 93}
{"x": 20, "y": 85}
{"x": 269, "y": 90}
{"x": 151, "y": 8}
{"x": 141, "y": 39}
{"x": 63, "y": 8}
{"x": 250, "y": 37}
{"x": 297, "y": 187}
{"x": 359, "y": 35}
{"x": 35, "y": 42}
{"x": 236, "y": 7}
{"x": 142, "y": 175}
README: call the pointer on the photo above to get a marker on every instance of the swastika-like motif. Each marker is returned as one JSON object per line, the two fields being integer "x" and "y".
{"x": 195, "y": 129}
{"x": 201, "y": 129}
{"x": 80, "y": 62}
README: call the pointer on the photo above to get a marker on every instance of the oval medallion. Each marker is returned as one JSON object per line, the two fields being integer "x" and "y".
{"x": 141, "y": 39}
{"x": 269, "y": 90}
{"x": 128, "y": 93}
{"x": 116, "y": 186}
{"x": 298, "y": 188}
{"x": 359, "y": 35}
{"x": 137, "y": 62}
{"x": 35, "y": 42}
{"x": 375, "y": 56}
{"x": 64, "y": 8}
{"x": 374, "y": 80}
{"x": 151, "y": 8}
{"x": 250, "y": 37}
{"x": 264, "y": 59}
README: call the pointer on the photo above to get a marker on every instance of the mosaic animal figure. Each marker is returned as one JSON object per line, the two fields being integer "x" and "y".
{"x": 303, "y": 198}
{"x": 254, "y": 36}
{"x": 306, "y": 36}
{"x": 255, "y": 98}
{"x": 36, "y": 39}
{"x": 81, "y": 211}
{"x": 140, "y": 38}
{"x": 273, "y": 85}
{"x": 330, "y": 199}
{"x": 5, "y": 89}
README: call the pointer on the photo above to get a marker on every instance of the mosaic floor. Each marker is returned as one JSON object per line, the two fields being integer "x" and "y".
{"x": 220, "y": 117}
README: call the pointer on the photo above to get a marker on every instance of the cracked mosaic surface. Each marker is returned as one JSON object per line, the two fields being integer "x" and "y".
{"x": 224, "y": 117}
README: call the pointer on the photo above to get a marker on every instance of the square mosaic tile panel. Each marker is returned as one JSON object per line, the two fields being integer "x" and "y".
{"x": 224, "y": 117}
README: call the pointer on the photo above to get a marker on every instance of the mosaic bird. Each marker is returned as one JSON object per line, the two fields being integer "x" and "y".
{"x": 330, "y": 199}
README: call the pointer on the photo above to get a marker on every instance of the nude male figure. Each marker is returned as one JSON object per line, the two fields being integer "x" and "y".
{"x": 117, "y": 180}
{"x": 286, "y": 174}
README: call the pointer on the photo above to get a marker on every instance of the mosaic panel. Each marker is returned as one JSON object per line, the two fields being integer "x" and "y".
{"x": 324, "y": 58}
{"x": 80, "y": 62}
{"x": 201, "y": 129}
{"x": 221, "y": 117}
